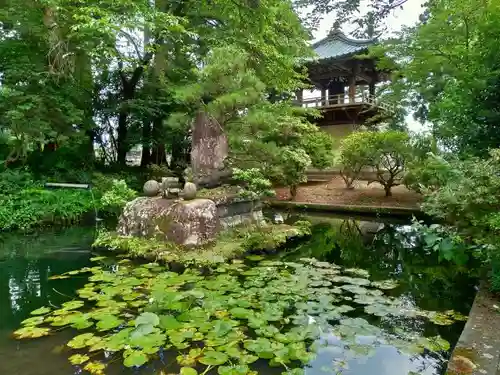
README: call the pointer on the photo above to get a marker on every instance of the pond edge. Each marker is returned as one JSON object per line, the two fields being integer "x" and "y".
{"x": 380, "y": 211}
{"x": 478, "y": 348}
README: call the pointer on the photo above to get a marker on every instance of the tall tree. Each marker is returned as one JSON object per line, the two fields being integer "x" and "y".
{"x": 447, "y": 69}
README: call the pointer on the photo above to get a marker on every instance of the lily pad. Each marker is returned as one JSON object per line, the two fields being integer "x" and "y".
{"x": 385, "y": 284}
{"x": 134, "y": 358}
{"x": 213, "y": 358}
{"x": 83, "y": 340}
{"x": 108, "y": 322}
{"x": 95, "y": 368}
{"x": 78, "y": 359}
{"x": 233, "y": 370}
{"x": 41, "y": 311}
{"x": 358, "y": 272}
{"x": 33, "y": 321}
{"x": 188, "y": 371}
{"x": 31, "y": 332}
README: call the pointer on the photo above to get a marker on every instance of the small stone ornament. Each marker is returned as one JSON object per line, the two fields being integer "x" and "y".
{"x": 151, "y": 188}
{"x": 189, "y": 191}
{"x": 170, "y": 187}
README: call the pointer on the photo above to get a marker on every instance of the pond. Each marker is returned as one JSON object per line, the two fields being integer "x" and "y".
{"x": 357, "y": 297}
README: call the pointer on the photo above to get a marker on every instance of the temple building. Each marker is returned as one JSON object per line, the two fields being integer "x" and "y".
{"x": 345, "y": 84}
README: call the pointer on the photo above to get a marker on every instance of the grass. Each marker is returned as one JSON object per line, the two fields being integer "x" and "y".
{"x": 228, "y": 245}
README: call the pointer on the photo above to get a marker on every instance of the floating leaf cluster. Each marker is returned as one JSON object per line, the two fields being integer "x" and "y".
{"x": 228, "y": 318}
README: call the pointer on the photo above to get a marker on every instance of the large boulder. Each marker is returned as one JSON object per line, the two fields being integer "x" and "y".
{"x": 189, "y": 223}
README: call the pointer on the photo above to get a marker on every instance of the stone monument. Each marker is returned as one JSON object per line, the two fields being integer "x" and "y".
{"x": 209, "y": 150}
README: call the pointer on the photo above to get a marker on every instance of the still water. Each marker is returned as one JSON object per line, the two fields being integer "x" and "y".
{"x": 26, "y": 262}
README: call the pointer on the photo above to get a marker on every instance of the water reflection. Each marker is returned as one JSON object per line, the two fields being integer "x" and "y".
{"x": 26, "y": 262}
{"x": 390, "y": 251}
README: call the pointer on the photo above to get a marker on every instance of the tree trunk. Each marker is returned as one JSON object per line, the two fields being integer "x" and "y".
{"x": 146, "y": 144}
{"x": 388, "y": 192}
{"x": 121, "y": 139}
{"x": 158, "y": 154}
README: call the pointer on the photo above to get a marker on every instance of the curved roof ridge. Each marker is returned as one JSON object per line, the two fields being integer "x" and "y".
{"x": 338, "y": 45}
{"x": 339, "y": 35}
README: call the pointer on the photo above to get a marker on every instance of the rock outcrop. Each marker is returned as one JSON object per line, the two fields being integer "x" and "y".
{"x": 188, "y": 223}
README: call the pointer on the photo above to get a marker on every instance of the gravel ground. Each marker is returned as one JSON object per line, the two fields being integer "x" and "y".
{"x": 334, "y": 192}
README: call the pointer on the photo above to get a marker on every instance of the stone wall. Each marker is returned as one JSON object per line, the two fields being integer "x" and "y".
{"x": 234, "y": 210}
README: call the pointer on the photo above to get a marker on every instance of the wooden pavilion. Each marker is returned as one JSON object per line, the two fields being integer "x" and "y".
{"x": 346, "y": 84}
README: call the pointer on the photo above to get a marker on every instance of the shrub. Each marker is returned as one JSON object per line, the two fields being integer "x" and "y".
{"x": 26, "y": 204}
{"x": 386, "y": 152}
{"x": 34, "y": 206}
{"x": 430, "y": 173}
{"x": 254, "y": 183}
{"x": 354, "y": 156}
{"x": 114, "y": 199}
{"x": 468, "y": 203}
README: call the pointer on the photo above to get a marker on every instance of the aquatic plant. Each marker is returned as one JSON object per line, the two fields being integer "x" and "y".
{"x": 226, "y": 320}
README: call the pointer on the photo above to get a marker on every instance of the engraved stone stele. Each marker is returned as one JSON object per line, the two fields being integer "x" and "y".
{"x": 151, "y": 188}
{"x": 209, "y": 150}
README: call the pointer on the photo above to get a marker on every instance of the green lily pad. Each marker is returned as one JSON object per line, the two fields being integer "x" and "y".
{"x": 78, "y": 359}
{"x": 34, "y": 321}
{"x": 213, "y": 358}
{"x": 134, "y": 358}
{"x": 358, "y": 272}
{"x": 233, "y": 370}
{"x": 108, "y": 322}
{"x": 95, "y": 368}
{"x": 72, "y": 305}
{"x": 41, "y": 311}
{"x": 241, "y": 313}
{"x": 385, "y": 284}
{"x": 31, "y": 332}
{"x": 188, "y": 371}
{"x": 147, "y": 318}
{"x": 83, "y": 340}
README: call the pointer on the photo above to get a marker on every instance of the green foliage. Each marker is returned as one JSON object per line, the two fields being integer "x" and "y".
{"x": 446, "y": 70}
{"x": 35, "y": 206}
{"x": 28, "y": 204}
{"x": 355, "y": 154}
{"x": 277, "y": 139}
{"x": 228, "y": 318}
{"x": 273, "y": 237}
{"x": 117, "y": 196}
{"x": 255, "y": 185}
{"x": 386, "y": 152}
{"x": 465, "y": 197}
{"x": 229, "y": 244}
{"x": 429, "y": 174}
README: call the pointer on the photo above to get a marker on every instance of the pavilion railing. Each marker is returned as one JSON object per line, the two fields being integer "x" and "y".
{"x": 341, "y": 100}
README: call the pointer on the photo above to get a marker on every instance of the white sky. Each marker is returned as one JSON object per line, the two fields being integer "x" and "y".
{"x": 401, "y": 17}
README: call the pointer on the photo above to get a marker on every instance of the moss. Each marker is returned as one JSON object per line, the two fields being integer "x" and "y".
{"x": 220, "y": 192}
{"x": 462, "y": 361}
{"x": 229, "y": 244}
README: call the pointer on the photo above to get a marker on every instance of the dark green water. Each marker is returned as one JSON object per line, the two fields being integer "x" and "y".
{"x": 26, "y": 262}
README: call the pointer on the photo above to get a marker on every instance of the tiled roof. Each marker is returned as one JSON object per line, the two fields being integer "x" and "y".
{"x": 337, "y": 45}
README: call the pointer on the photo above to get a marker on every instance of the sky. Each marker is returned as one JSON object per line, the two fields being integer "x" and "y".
{"x": 401, "y": 17}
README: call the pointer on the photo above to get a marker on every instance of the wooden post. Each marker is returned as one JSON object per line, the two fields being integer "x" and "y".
{"x": 352, "y": 88}
{"x": 324, "y": 99}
